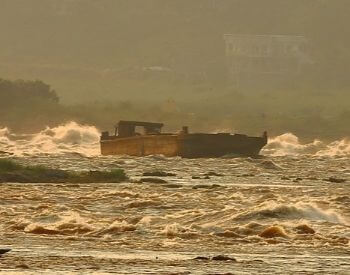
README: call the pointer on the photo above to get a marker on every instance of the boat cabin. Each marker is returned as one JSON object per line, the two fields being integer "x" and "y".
{"x": 129, "y": 128}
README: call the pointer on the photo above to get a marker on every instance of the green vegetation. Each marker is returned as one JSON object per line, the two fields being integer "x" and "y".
{"x": 24, "y": 92}
{"x": 7, "y": 165}
{"x": 11, "y": 171}
{"x": 29, "y": 104}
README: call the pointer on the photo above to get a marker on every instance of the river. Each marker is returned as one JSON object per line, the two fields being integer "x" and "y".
{"x": 280, "y": 213}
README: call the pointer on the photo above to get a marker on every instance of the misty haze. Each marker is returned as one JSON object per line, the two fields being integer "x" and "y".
{"x": 175, "y": 136}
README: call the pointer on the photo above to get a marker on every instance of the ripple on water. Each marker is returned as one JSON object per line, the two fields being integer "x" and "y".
{"x": 249, "y": 213}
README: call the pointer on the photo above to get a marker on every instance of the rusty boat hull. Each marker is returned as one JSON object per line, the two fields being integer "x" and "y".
{"x": 184, "y": 145}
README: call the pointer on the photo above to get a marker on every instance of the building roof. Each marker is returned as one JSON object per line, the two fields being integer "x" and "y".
{"x": 267, "y": 36}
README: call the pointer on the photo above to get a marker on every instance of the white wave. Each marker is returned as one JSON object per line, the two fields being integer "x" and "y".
{"x": 298, "y": 210}
{"x": 341, "y": 147}
{"x": 4, "y": 132}
{"x": 68, "y": 138}
{"x": 69, "y": 223}
{"x": 289, "y": 144}
{"x": 5, "y": 143}
{"x": 172, "y": 230}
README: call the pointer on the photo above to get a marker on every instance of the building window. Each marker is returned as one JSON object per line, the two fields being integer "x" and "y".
{"x": 230, "y": 47}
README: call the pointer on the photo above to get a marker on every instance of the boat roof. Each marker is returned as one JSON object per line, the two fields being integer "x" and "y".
{"x": 140, "y": 123}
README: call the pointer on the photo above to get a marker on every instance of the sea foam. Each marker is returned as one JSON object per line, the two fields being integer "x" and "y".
{"x": 289, "y": 144}
{"x": 68, "y": 138}
{"x": 309, "y": 211}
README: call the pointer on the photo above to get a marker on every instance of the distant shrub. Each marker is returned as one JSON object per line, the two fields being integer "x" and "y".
{"x": 7, "y": 165}
{"x": 23, "y": 91}
{"x": 10, "y": 171}
{"x": 117, "y": 173}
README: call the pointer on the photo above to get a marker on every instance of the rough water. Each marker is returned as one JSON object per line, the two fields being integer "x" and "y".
{"x": 280, "y": 213}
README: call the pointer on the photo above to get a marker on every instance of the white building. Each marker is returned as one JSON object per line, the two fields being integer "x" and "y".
{"x": 265, "y": 56}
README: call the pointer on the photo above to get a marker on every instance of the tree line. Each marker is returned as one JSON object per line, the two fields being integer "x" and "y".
{"x": 25, "y": 92}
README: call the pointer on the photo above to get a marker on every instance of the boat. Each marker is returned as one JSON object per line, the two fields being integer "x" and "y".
{"x": 136, "y": 138}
